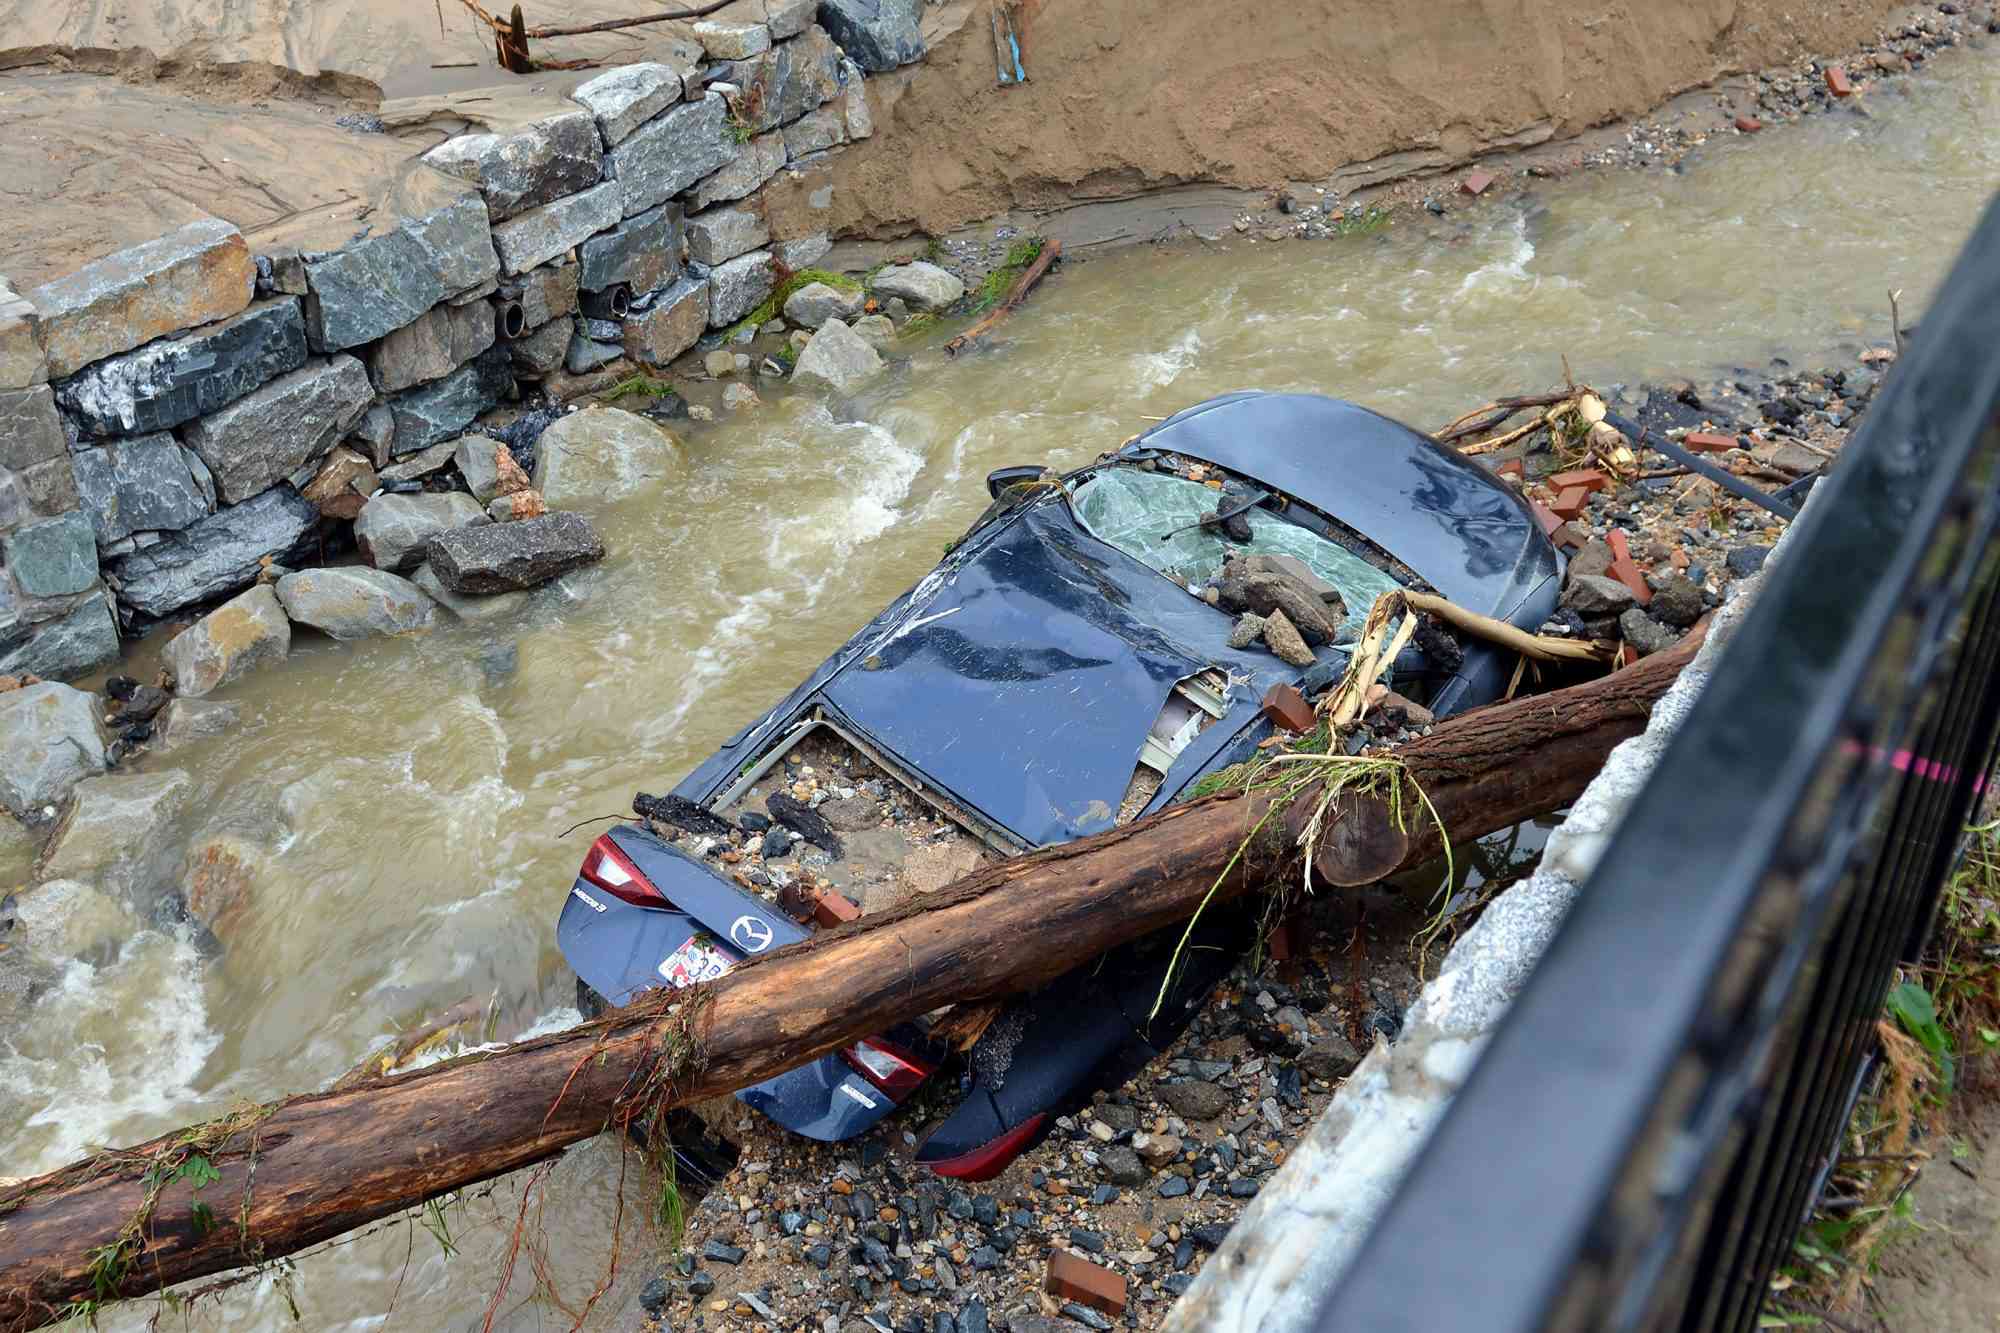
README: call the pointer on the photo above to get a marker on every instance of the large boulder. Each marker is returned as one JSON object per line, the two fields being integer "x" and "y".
{"x": 69, "y": 645}
{"x": 229, "y": 642}
{"x": 200, "y": 273}
{"x": 671, "y": 152}
{"x": 272, "y": 433}
{"x": 837, "y": 357}
{"x": 440, "y": 244}
{"x": 738, "y": 287}
{"x": 544, "y": 233}
{"x": 50, "y": 740}
{"x": 54, "y": 558}
{"x": 924, "y": 286}
{"x": 721, "y": 234}
{"x": 174, "y": 380}
{"x": 61, "y": 919}
{"x": 221, "y": 552}
{"x": 504, "y": 557}
{"x": 185, "y": 721}
{"x": 431, "y": 347}
{"x": 786, "y": 82}
{"x": 114, "y": 833}
{"x": 393, "y": 529}
{"x": 148, "y": 484}
{"x": 601, "y": 453}
{"x": 815, "y": 303}
{"x": 441, "y": 410}
{"x": 878, "y": 34}
{"x": 478, "y": 459}
{"x": 353, "y": 603}
{"x": 469, "y": 608}
{"x": 643, "y": 252}
{"x": 531, "y": 166}
{"x": 669, "y": 323}
{"x": 625, "y": 98}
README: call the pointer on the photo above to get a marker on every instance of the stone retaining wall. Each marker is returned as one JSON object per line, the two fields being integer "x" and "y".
{"x": 175, "y": 414}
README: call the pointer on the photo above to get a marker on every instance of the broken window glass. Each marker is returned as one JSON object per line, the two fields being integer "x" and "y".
{"x": 1155, "y": 517}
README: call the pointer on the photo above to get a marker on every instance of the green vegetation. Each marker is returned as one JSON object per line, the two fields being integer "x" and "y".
{"x": 1364, "y": 223}
{"x": 994, "y": 287}
{"x": 775, "y": 302}
{"x": 642, "y": 385}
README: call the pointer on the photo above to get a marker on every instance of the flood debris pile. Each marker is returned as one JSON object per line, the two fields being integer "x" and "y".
{"x": 1102, "y": 1225}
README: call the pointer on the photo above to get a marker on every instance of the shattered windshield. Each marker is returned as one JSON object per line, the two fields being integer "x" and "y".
{"x": 1155, "y": 517}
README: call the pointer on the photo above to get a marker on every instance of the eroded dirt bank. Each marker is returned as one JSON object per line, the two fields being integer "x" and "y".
{"x": 1130, "y": 95}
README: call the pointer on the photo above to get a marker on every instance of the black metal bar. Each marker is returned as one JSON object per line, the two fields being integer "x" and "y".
{"x": 1638, "y": 1141}
{"x": 1722, "y": 477}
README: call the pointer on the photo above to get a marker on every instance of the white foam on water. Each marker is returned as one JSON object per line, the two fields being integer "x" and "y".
{"x": 1156, "y": 370}
{"x": 95, "y": 1092}
{"x": 1508, "y": 272}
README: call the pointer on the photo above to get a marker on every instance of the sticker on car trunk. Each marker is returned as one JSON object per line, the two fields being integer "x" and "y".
{"x": 699, "y": 959}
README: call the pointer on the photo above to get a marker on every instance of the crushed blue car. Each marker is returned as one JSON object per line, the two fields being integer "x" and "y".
{"x": 1068, "y": 666}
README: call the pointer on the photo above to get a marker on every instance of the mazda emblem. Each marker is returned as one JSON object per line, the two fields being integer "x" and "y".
{"x": 753, "y": 935}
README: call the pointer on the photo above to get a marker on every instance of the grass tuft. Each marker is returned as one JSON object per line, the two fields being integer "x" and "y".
{"x": 993, "y": 288}
{"x": 640, "y": 385}
{"x": 775, "y": 302}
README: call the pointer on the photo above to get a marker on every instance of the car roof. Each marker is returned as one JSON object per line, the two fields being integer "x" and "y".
{"x": 1465, "y": 533}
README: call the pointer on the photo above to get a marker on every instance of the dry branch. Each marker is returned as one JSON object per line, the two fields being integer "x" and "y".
{"x": 1051, "y": 251}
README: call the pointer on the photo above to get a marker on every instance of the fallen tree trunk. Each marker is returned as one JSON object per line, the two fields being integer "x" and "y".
{"x": 1494, "y": 767}
{"x": 277, "y": 1178}
{"x": 1051, "y": 251}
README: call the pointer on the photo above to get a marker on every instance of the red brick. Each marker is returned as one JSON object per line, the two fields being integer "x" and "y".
{"x": 1749, "y": 124}
{"x": 1570, "y": 537}
{"x": 1479, "y": 182}
{"x": 799, "y": 901}
{"x": 1589, "y": 478}
{"x": 1627, "y": 655}
{"x": 1837, "y": 82}
{"x": 1513, "y": 467}
{"x": 833, "y": 909}
{"x": 1707, "y": 442}
{"x": 1545, "y": 516}
{"x": 1624, "y": 569}
{"x": 1570, "y": 503}
{"x": 1679, "y": 559}
{"x": 1282, "y": 945}
{"x": 1074, "y": 1278}
{"x": 1287, "y": 708}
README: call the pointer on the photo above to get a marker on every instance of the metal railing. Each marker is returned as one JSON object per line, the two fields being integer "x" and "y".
{"x": 1640, "y": 1143}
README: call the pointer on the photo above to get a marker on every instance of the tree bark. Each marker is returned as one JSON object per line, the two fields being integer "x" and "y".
{"x": 312, "y": 1167}
{"x": 1051, "y": 251}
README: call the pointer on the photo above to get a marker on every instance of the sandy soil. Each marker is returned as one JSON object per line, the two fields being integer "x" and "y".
{"x": 1128, "y": 95}
{"x": 1946, "y": 1275}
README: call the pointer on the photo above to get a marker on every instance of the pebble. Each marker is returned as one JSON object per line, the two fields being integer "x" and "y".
{"x": 1173, "y": 1186}
{"x": 720, "y": 1253}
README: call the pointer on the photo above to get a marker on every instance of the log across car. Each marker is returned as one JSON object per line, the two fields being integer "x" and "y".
{"x": 1069, "y": 665}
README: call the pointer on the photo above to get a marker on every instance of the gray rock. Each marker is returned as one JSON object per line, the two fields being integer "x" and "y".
{"x": 468, "y": 608}
{"x": 721, "y": 234}
{"x": 49, "y": 488}
{"x": 505, "y": 557}
{"x": 924, "y": 286}
{"x": 373, "y": 286}
{"x": 786, "y": 82}
{"x": 422, "y": 463}
{"x": 393, "y": 529}
{"x": 211, "y": 557}
{"x": 15, "y": 509}
{"x": 541, "y": 352}
{"x": 1121, "y": 1166}
{"x": 1743, "y": 561}
{"x": 761, "y": 159}
{"x": 815, "y": 303}
{"x": 724, "y": 39}
{"x": 627, "y": 97}
{"x": 670, "y": 323}
{"x": 1593, "y": 596}
{"x": 30, "y": 430}
{"x": 644, "y": 252}
{"x": 837, "y": 357}
{"x": 587, "y": 354}
{"x": 878, "y": 34}
{"x": 49, "y": 741}
{"x": 174, "y": 380}
{"x": 140, "y": 485}
{"x": 1284, "y": 639}
{"x": 858, "y": 116}
{"x": 1248, "y": 629}
{"x": 600, "y": 453}
{"x": 738, "y": 287}
{"x": 272, "y": 433}
{"x": 672, "y": 152}
{"x": 1646, "y": 634}
{"x": 1331, "y": 1057}
{"x": 229, "y": 642}
{"x": 66, "y": 647}
{"x": 876, "y": 331}
{"x": 52, "y": 558}
{"x": 185, "y": 721}
{"x": 198, "y": 274}
{"x": 805, "y": 251}
{"x": 544, "y": 293}
{"x": 114, "y": 833}
{"x": 1677, "y": 601}
{"x": 441, "y": 410}
{"x": 528, "y": 167}
{"x": 374, "y": 432}
{"x": 814, "y": 132}
{"x": 430, "y": 347}
{"x": 1193, "y": 1100}
{"x": 351, "y": 603}
{"x": 537, "y": 236}
{"x": 60, "y": 919}
{"x": 479, "y": 465}
{"x": 785, "y": 18}
{"x": 21, "y": 360}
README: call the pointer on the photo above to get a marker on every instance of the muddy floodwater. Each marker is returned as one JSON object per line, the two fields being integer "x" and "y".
{"x": 407, "y": 795}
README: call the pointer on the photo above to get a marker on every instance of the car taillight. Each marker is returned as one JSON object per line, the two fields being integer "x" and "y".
{"x": 991, "y": 1158}
{"x": 607, "y": 866}
{"x": 889, "y": 1069}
